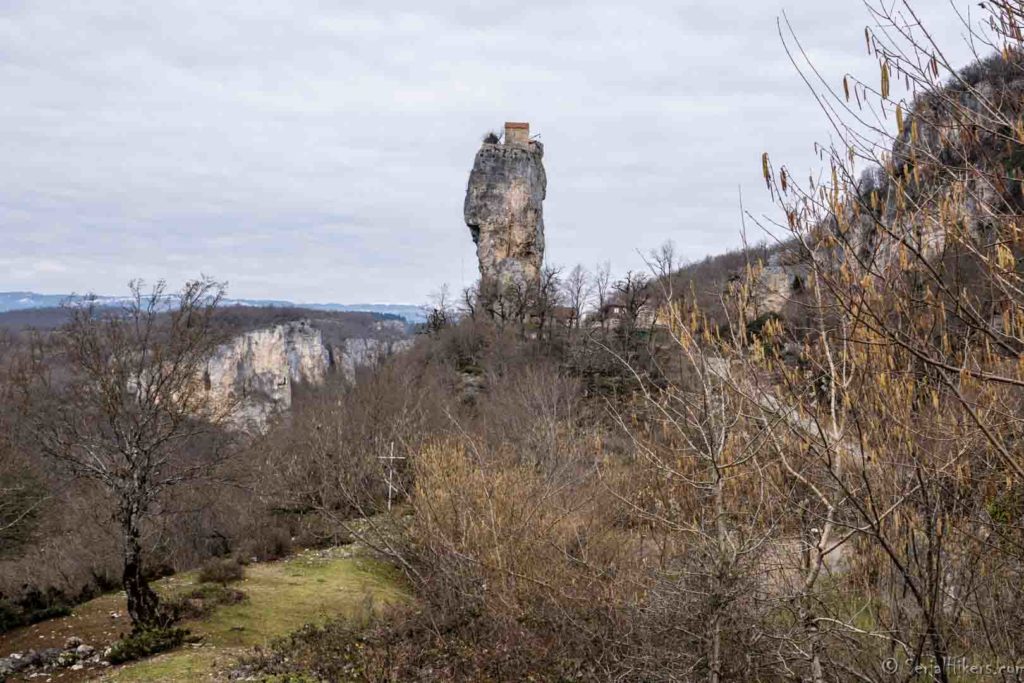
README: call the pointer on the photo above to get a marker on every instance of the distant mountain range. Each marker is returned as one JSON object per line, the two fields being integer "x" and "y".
{"x": 20, "y": 301}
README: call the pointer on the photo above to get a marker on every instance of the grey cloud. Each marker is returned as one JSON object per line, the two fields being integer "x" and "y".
{"x": 319, "y": 151}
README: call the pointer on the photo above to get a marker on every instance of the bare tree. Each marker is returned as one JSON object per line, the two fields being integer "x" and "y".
{"x": 122, "y": 401}
{"x": 470, "y": 302}
{"x": 577, "y": 289}
{"x": 20, "y": 495}
{"x": 440, "y": 311}
{"x": 602, "y": 289}
{"x": 547, "y": 298}
{"x": 663, "y": 263}
{"x": 632, "y": 296}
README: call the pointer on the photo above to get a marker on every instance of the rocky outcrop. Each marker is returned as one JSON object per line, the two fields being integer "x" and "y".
{"x": 255, "y": 371}
{"x": 777, "y": 283}
{"x": 953, "y": 171}
{"x": 353, "y": 354}
{"x": 956, "y": 161}
{"x": 254, "y": 374}
{"x": 504, "y": 209}
{"x": 75, "y": 656}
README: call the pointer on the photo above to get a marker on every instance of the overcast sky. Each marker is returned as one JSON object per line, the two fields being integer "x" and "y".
{"x": 319, "y": 151}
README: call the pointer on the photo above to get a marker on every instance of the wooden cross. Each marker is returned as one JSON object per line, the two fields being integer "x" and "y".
{"x": 389, "y": 479}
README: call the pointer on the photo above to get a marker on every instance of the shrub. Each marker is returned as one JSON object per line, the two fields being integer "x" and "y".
{"x": 10, "y": 616}
{"x": 278, "y": 545}
{"x": 145, "y": 643}
{"x": 14, "y": 615}
{"x": 492, "y": 138}
{"x": 222, "y": 571}
{"x": 409, "y": 646}
{"x": 267, "y": 544}
{"x": 200, "y": 601}
{"x": 48, "y": 612}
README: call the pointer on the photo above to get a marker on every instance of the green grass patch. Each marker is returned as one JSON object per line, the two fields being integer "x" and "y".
{"x": 281, "y": 597}
{"x": 180, "y": 666}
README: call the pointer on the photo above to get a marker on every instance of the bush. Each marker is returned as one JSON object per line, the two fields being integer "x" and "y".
{"x": 13, "y": 615}
{"x": 409, "y": 647}
{"x": 48, "y": 612}
{"x": 200, "y": 601}
{"x": 222, "y": 571}
{"x": 10, "y": 616}
{"x": 278, "y": 545}
{"x": 269, "y": 544}
{"x": 145, "y": 643}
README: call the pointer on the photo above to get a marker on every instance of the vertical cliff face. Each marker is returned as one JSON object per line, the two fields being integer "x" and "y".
{"x": 504, "y": 210}
{"x": 368, "y": 352}
{"x": 255, "y": 371}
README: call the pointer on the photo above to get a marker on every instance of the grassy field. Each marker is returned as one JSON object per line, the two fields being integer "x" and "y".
{"x": 281, "y": 596}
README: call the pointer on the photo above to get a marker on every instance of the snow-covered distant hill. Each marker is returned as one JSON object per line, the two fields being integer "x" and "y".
{"x": 19, "y": 301}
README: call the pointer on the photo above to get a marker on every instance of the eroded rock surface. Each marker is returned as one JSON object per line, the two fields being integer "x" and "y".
{"x": 366, "y": 352}
{"x": 504, "y": 210}
{"x": 778, "y": 282}
{"x": 254, "y": 374}
{"x": 255, "y": 371}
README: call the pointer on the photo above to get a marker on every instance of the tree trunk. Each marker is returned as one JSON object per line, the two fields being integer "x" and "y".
{"x": 811, "y": 626}
{"x": 143, "y": 604}
{"x": 724, "y": 561}
{"x": 716, "y": 650}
